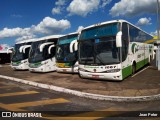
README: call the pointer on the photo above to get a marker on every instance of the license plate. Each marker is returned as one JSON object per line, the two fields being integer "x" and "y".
{"x": 95, "y": 76}
{"x": 60, "y": 64}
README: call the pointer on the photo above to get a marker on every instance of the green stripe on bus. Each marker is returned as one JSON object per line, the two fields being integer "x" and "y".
{"x": 126, "y": 71}
{"x": 141, "y": 63}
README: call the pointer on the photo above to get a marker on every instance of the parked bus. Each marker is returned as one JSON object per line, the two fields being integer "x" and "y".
{"x": 19, "y": 60}
{"x": 42, "y": 54}
{"x": 66, "y": 53}
{"x": 113, "y": 50}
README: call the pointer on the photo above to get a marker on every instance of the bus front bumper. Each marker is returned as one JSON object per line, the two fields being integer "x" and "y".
{"x": 41, "y": 69}
{"x": 20, "y": 67}
{"x": 117, "y": 76}
{"x": 38, "y": 69}
{"x": 67, "y": 70}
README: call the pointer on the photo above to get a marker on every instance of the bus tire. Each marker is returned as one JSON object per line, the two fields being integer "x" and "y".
{"x": 133, "y": 68}
{"x": 79, "y": 75}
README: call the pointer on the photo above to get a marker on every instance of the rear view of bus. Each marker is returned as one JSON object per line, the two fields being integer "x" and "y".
{"x": 19, "y": 60}
{"x": 113, "y": 50}
{"x": 66, "y": 54}
{"x": 42, "y": 54}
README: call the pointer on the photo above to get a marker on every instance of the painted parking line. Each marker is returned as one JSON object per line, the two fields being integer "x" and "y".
{"x": 94, "y": 115}
{"x": 8, "y": 86}
{"x": 10, "y": 108}
{"x": 18, "y": 106}
{"x": 18, "y": 93}
{"x": 140, "y": 71}
{"x": 37, "y": 103}
{"x": 97, "y": 114}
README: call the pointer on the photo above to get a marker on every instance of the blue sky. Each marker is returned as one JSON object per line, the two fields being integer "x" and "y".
{"x": 26, "y": 19}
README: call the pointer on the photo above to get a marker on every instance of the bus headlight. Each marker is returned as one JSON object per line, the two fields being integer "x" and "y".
{"x": 35, "y": 65}
{"x": 83, "y": 70}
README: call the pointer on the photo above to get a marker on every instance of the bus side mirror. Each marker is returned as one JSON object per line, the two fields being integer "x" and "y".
{"x": 25, "y": 47}
{"x": 44, "y": 44}
{"x": 21, "y": 49}
{"x": 76, "y": 46}
{"x": 49, "y": 49}
{"x": 71, "y": 46}
{"x": 119, "y": 39}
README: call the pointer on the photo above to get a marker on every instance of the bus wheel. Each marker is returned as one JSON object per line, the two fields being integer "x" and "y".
{"x": 133, "y": 69}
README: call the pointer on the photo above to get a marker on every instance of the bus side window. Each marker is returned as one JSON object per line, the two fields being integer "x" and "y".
{"x": 125, "y": 41}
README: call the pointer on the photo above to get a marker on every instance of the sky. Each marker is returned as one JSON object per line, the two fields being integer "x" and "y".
{"x": 27, "y": 19}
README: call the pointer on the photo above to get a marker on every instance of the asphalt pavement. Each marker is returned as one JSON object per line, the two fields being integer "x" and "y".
{"x": 145, "y": 82}
{"x": 20, "y": 98}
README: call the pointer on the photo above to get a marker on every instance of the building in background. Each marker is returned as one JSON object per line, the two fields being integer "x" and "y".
{"x": 5, "y": 54}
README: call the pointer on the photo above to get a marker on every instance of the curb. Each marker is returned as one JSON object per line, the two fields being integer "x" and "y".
{"x": 84, "y": 94}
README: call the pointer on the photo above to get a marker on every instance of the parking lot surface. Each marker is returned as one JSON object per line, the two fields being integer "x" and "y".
{"x": 20, "y": 98}
{"x": 146, "y": 82}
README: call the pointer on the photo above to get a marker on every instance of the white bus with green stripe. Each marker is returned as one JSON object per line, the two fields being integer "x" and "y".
{"x": 66, "y": 54}
{"x": 113, "y": 50}
{"x": 42, "y": 54}
{"x": 20, "y": 54}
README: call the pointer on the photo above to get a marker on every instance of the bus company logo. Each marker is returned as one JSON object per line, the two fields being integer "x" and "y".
{"x": 134, "y": 48}
{"x": 6, "y": 114}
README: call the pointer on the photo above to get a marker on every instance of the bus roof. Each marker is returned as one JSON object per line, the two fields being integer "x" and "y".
{"x": 69, "y": 34}
{"x": 48, "y": 37}
{"x": 26, "y": 41}
{"x": 113, "y": 21}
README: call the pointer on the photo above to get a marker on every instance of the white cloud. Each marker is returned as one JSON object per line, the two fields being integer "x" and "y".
{"x": 79, "y": 7}
{"x": 46, "y": 26}
{"x": 56, "y": 10}
{"x": 51, "y": 25}
{"x": 105, "y": 2}
{"x": 131, "y": 8}
{"x": 80, "y": 28}
{"x": 14, "y": 32}
{"x": 25, "y": 37}
{"x": 83, "y": 7}
{"x": 60, "y": 2}
{"x": 59, "y": 7}
{"x": 144, "y": 21}
{"x": 155, "y": 33}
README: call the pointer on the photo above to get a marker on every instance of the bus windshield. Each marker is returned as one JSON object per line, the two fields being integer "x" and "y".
{"x": 63, "y": 49}
{"x": 37, "y": 56}
{"x": 17, "y": 56}
{"x": 64, "y": 55}
{"x": 99, "y": 51}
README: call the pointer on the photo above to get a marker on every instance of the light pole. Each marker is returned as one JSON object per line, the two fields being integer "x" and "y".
{"x": 158, "y": 36}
